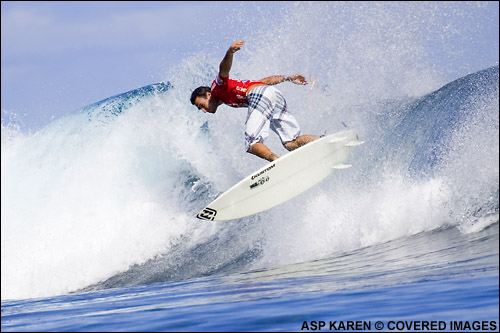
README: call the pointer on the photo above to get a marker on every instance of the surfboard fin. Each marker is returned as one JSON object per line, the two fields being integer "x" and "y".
{"x": 336, "y": 140}
{"x": 341, "y": 166}
{"x": 354, "y": 143}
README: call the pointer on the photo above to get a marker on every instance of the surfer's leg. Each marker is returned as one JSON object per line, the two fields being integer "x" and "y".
{"x": 262, "y": 151}
{"x": 300, "y": 141}
{"x": 257, "y": 125}
{"x": 287, "y": 127}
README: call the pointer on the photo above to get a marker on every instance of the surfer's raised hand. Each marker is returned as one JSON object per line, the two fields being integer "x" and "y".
{"x": 227, "y": 62}
{"x": 236, "y": 46}
{"x": 297, "y": 79}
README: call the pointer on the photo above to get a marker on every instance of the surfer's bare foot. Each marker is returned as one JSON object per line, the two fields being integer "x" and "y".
{"x": 273, "y": 157}
{"x": 300, "y": 141}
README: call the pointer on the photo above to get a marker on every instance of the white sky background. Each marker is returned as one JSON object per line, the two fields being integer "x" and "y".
{"x": 59, "y": 56}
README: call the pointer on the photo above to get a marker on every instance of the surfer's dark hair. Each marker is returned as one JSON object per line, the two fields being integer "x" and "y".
{"x": 199, "y": 92}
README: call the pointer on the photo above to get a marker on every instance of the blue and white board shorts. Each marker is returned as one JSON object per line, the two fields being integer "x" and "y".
{"x": 267, "y": 109}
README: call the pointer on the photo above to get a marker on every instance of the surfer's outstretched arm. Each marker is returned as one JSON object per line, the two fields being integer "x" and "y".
{"x": 227, "y": 62}
{"x": 275, "y": 79}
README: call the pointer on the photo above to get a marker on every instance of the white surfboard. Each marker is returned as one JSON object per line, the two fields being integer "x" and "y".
{"x": 284, "y": 178}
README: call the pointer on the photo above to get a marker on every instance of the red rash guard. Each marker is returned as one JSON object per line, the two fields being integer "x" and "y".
{"x": 231, "y": 92}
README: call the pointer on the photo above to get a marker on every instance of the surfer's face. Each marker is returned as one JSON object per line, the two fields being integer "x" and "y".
{"x": 203, "y": 102}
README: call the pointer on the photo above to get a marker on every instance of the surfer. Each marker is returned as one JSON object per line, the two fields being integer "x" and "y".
{"x": 267, "y": 107}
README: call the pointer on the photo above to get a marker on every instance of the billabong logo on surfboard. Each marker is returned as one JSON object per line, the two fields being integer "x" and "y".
{"x": 207, "y": 214}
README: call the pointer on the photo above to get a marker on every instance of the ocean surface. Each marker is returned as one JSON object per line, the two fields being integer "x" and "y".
{"x": 98, "y": 208}
{"x": 437, "y": 276}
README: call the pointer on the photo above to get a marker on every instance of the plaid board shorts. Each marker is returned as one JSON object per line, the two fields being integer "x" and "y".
{"x": 267, "y": 109}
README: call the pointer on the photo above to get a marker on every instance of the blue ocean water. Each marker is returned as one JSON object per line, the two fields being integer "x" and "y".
{"x": 441, "y": 276}
{"x": 98, "y": 227}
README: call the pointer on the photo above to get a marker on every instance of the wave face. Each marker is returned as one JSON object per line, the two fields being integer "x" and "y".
{"x": 106, "y": 196}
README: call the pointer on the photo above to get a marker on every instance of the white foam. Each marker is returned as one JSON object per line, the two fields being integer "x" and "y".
{"x": 82, "y": 201}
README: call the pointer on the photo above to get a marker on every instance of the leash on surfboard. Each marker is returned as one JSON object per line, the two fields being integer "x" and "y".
{"x": 319, "y": 96}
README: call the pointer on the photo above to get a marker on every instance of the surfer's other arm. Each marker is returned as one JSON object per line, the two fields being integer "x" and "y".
{"x": 275, "y": 79}
{"x": 227, "y": 62}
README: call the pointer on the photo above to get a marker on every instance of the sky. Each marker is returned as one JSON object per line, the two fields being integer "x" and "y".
{"x": 59, "y": 56}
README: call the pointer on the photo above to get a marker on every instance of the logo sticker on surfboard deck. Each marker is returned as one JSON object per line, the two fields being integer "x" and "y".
{"x": 259, "y": 182}
{"x": 207, "y": 214}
